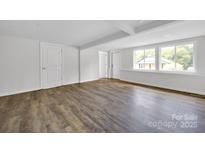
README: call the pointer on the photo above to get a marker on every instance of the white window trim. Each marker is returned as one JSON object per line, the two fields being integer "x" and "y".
{"x": 157, "y": 57}
{"x": 161, "y": 72}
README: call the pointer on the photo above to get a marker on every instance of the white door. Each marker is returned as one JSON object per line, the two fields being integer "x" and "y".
{"x": 116, "y": 65}
{"x": 51, "y": 65}
{"x": 103, "y": 64}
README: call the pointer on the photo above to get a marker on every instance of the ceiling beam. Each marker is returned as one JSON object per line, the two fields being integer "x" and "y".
{"x": 123, "y": 26}
{"x": 154, "y": 24}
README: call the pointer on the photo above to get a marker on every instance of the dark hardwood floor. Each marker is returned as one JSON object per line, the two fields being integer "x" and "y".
{"x": 101, "y": 106}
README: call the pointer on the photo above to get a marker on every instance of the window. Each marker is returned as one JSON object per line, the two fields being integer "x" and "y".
{"x": 139, "y": 59}
{"x": 168, "y": 58}
{"x": 184, "y": 57}
{"x": 144, "y": 59}
{"x": 177, "y": 58}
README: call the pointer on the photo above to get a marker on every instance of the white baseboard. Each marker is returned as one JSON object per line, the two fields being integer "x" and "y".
{"x": 69, "y": 83}
{"x": 89, "y": 80}
{"x": 166, "y": 87}
{"x": 18, "y": 92}
{"x": 34, "y": 89}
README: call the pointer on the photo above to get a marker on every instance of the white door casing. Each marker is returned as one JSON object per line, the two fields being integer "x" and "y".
{"x": 116, "y": 65}
{"x": 103, "y": 64}
{"x": 51, "y": 65}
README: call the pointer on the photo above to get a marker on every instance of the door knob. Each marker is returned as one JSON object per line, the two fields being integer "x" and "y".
{"x": 43, "y": 68}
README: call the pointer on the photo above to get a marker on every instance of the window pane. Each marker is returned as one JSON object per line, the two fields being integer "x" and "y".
{"x": 184, "y": 58}
{"x": 167, "y": 58}
{"x": 139, "y": 59}
{"x": 149, "y": 59}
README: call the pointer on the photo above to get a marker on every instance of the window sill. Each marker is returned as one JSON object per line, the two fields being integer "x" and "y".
{"x": 161, "y": 72}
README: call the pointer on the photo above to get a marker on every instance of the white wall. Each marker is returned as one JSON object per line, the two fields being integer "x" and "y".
{"x": 71, "y": 65}
{"x": 89, "y": 65}
{"x": 20, "y": 65}
{"x": 189, "y": 83}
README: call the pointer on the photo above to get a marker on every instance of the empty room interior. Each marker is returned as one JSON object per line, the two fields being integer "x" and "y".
{"x": 102, "y": 76}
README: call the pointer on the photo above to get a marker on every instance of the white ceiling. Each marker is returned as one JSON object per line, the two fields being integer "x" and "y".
{"x": 169, "y": 32}
{"x": 68, "y": 32}
{"x": 104, "y": 35}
